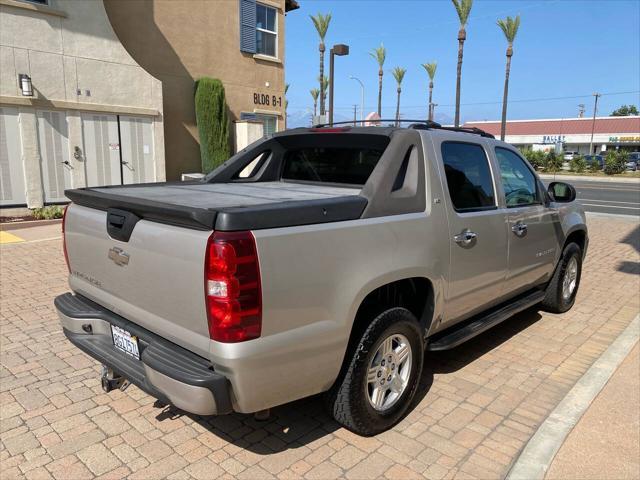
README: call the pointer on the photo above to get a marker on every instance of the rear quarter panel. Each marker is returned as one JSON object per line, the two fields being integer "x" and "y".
{"x": 314, "y": 279}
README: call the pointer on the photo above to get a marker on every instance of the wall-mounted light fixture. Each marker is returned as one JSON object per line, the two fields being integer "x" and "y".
{"x": 24, "y": 82}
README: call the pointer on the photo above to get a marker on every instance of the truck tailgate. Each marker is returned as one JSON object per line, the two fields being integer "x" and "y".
{"x": 158, "y": 281}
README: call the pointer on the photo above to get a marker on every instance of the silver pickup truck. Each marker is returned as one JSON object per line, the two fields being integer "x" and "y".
{"x": 324, "y": 259}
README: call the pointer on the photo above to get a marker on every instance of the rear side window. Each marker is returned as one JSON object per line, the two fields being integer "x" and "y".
{"x": 330, "y": 165}
{"x": 520, "y": 185}
{"x": 468, "y": 176}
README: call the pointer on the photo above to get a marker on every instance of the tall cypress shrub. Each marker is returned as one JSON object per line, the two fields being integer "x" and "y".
{"x": 213, "y": 123}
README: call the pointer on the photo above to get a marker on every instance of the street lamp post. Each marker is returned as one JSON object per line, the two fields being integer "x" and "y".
{"x": 340, "y": 50}
{"x": 361, "y": 95}
{"x": 593, "y": 122}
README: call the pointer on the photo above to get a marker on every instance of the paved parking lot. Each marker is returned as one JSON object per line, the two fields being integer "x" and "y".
{"x": 477, "y": 406}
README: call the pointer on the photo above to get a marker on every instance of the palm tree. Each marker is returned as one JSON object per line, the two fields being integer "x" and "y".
{"x": 463, "y": 8}
{"x": 321, "y": 22}
{"x": 509, "y": 27}
{"x": 379, "y": 54}
{"x": 314, "y": 94}
{"x": 324, "y": 86}
{"x": 398, "y": 74}
{"x": 431, "y": 71}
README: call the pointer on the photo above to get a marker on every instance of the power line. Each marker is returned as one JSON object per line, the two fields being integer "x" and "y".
{"x": 499, "y": 102}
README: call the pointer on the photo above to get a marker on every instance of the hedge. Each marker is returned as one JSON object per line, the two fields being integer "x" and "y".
{"x": 213, "y": 123}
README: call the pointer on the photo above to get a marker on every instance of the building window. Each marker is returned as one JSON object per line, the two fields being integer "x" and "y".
{"x": 269, "y": 122}
{"x": 266, "y": 31}
{"x": 258, "y": 28}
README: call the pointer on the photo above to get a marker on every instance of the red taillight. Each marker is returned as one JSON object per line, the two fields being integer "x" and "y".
{"x": 232, "y": 287}
{"x": 64, "y": 240}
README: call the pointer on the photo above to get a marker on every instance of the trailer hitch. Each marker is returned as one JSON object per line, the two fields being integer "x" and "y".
{"x": 112, "y": 381}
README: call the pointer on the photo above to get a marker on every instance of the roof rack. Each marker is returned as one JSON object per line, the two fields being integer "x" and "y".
{"x": 414, "y": 124}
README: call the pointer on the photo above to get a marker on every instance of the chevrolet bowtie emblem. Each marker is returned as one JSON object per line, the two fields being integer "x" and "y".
{"x": 118, "y": 256}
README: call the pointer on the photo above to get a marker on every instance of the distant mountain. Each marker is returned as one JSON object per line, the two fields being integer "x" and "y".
{"x": 303, "y": 118}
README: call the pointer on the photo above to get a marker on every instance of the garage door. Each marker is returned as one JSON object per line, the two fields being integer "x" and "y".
{"x": 101, "y": 149}
{"x": 137, "y": 150}
{"x": 56, "y": 169}
{"x": 107, "y": 145}
{"x": 12, "y": 186}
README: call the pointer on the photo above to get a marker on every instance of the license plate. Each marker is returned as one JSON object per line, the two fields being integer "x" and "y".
{"x": 125, "y": 342}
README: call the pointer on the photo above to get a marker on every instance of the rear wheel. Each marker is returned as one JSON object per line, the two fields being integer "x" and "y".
{"x": 563, "y": 287}
{"x": 376, "y": 388}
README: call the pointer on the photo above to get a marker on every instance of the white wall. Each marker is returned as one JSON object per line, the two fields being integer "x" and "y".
{"x": 66, "y": 47}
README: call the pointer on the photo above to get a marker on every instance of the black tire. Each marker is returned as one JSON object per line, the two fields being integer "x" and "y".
{"x": 554, "y": 301}
{"x": 348, "y": 400}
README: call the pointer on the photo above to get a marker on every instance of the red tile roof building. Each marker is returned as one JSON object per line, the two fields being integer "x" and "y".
{"x": 575, "y": 133}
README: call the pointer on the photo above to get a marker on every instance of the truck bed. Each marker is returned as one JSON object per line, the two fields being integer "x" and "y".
{"x": 228, "y": 206}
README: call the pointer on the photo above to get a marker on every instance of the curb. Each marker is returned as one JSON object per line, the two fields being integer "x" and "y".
{"x": 628, "y": 217}
{"x": 536, "y": 457}
{"x": 586, "y": 178}
{"x": 28, "y": 224}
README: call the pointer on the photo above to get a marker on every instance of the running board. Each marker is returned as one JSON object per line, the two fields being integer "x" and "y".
{"x": 454, "y": 336}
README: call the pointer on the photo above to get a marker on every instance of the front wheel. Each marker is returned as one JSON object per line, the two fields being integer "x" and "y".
{"x": 563, "y": 287}
{"x": 381, "y": 379}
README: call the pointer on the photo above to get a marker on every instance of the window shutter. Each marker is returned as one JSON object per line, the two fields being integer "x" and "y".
{"x": 248, "y": 26}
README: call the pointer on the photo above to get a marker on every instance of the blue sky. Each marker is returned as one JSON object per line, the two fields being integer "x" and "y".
{"x": 564, "y": 48}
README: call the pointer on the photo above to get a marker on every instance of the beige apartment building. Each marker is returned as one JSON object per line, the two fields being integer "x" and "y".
{"x": 101, "y": 92}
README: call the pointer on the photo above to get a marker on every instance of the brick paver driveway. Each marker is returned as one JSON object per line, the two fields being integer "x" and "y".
{"x": 477, "y": 406}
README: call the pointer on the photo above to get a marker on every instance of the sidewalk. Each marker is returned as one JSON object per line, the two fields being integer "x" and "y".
{"x": 605, "y": 444}
{"x": 588, "y": 178}
{"x": 30, "y": 232}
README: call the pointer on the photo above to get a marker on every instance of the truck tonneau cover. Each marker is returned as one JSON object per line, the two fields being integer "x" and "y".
{"x": 228, "y": 206}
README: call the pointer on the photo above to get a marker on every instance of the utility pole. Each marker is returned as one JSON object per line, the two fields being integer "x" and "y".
{"x": 355, "y": 114}
{"x": 593, "y": 123}
{"x": 581, "y": 109}
{"x": 361, "y": 95}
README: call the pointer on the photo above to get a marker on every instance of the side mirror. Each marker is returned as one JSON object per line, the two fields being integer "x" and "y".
{"x": 561, "y": 192}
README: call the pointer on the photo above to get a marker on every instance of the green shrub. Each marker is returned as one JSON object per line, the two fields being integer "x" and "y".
{"x": 614, "y": 163}
{"x": 552, "y": 162}
{"x": 623, "y": 158}
{"x": 535, "y": 158}
{"x": 578, "y": 164}
{"x": 594, "y": 166}
{"x": 213, "y": 123}
{"x": 48, "y": 213}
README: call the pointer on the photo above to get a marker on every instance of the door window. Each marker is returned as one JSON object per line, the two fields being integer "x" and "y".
{"x": 519, "y": 182}
{"x": 468, "y": 176}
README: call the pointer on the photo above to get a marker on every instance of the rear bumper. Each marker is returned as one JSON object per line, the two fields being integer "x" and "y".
{"x": 165, "y": 370}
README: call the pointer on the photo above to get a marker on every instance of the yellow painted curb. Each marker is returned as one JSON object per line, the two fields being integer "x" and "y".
{"x": 6, "y": 237}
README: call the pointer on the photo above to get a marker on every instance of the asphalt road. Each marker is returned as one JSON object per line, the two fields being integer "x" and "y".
{"x": 607, "y": 197}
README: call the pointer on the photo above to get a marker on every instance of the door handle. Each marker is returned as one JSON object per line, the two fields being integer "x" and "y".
{"x": 465, "y": 238}
{"x": 520, "y": 229}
